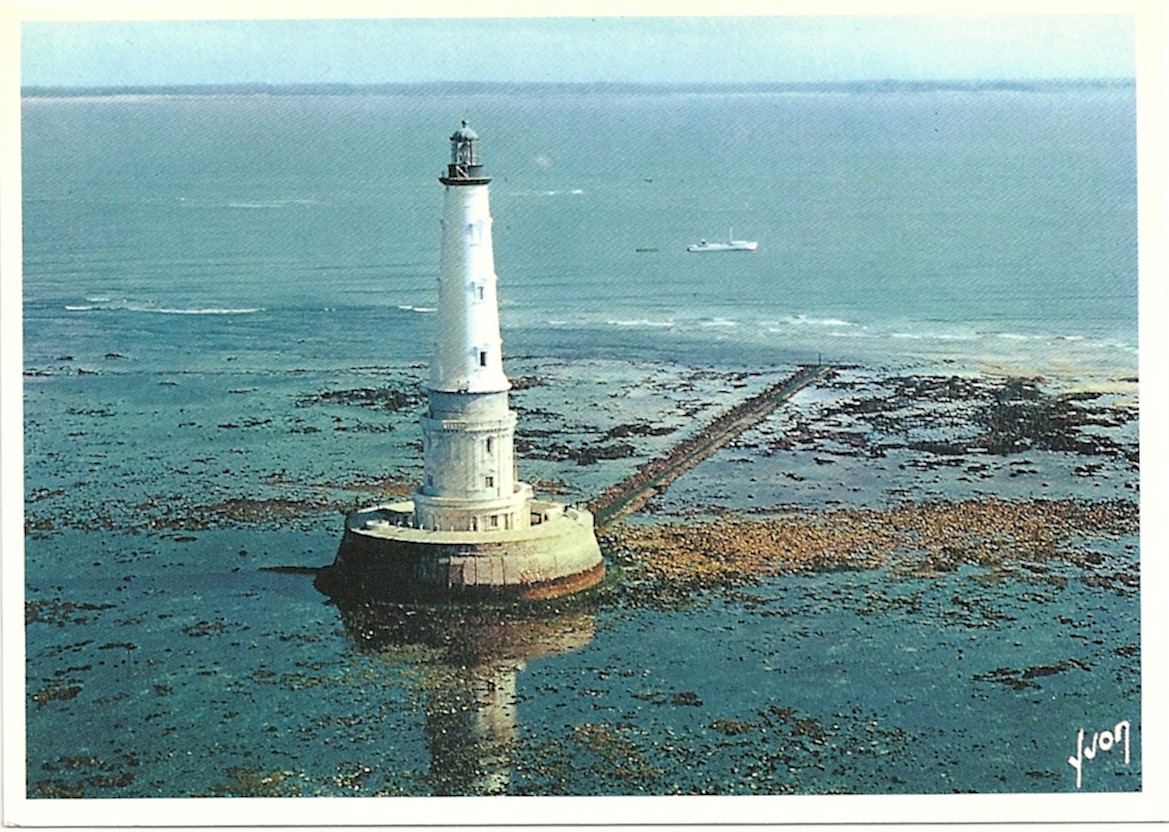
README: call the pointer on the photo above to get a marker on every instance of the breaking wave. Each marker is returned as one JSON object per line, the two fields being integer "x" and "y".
{"x": 125, "y": 306}
{"x": 804, "y": 320}
{"x": 639, "y": 322}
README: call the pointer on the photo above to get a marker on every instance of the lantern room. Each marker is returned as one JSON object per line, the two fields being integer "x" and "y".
{"x": 464, "y": 168}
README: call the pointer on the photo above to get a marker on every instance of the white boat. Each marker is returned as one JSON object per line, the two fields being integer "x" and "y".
{"x": 730, "y": 245}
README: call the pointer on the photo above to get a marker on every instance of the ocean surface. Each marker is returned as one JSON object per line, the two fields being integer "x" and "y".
{"x": 980, "y": 224}
{"x": 202, "y": 272}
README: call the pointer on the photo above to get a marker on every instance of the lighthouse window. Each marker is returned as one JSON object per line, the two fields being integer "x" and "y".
{"x": 490, "y": 444}
{"x": 495, "y": 521}
{"x": 480, "y": 290}
{"x": 491, "y": 482}
{"x": 482, "y": 358}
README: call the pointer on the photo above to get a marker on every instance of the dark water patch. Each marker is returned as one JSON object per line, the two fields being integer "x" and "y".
{"x": 396, "y": 485}
{"x": 390, "y": 399}
{"x": 521, "y": 383}
{"x": 1021, "y": 679}
{"x": 108, "y": 779}
{"x": 54, "y": 692}
{"x": 364, "y": 427}
{"x": 778, "y": 749}
{"x": 637, "y": 429}
{"x": 201, "y": 628}
{"x": 244, "y": 423}
{"x": 1020, "y": 416}
{"x": 292, "y": 570}
{"x": 231, "y": 512}
{"x": 59, "y": 612}
{"x": 978, "y": 416}
{"x": 255, "y": 782}
{"x": 587, "y": 454}
{"x": 1125, "y": 582}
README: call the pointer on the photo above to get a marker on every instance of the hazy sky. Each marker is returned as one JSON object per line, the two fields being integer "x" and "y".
{"x": 688, "y": 49}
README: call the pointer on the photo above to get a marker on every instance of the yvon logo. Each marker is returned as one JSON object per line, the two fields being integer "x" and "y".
{"x": 1101, "y": 741}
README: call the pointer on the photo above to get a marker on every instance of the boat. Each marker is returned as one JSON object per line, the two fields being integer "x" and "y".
{"x": 730, "y": 245}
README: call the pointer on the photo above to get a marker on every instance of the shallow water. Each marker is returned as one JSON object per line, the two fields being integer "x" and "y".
{"x": 851, "y": 682}
{"x": 167, "y": 661}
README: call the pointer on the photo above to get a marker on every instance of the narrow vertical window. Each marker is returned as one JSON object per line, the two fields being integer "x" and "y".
{"x": 490, "y": 444}
{"x": 482, "y": 358}
{"x": 491, "y": 482}
{"x": 480, "y": 291}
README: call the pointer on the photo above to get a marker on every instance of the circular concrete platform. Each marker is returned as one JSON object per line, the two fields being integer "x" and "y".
{"x": 382, "y": 555}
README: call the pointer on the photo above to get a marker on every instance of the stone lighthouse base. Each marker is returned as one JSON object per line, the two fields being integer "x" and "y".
{"x": 383, "y": 556}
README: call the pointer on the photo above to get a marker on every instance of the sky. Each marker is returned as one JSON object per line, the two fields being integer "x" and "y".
{"x": 602, "y": 49}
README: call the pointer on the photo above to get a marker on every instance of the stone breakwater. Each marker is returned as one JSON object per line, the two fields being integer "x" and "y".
{"x": 1024, "y": 538}
{"x": 632, "y": 493}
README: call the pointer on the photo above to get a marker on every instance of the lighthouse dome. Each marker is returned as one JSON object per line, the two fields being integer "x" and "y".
{"x": 464, "y": 134}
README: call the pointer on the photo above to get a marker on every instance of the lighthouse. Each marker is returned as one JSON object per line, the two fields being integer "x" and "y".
{"x": 468, "y": 432}
{"x": 472, "y": 529}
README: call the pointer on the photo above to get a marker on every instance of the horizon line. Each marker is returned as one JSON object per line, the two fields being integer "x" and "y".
{"x": 310, "y": 87}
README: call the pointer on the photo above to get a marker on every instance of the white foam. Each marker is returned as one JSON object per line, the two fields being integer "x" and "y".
{"x": 271, "y": 203}
{"x": 644, "y": 322}
{"x": 128, "y": 306}
{"x": 206, "y": 311}
{"x": 933, "y": 336}
{"x": 804, "y": 320}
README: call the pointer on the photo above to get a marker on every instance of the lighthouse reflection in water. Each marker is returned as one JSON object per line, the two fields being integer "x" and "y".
{"x": 467, "y": 661}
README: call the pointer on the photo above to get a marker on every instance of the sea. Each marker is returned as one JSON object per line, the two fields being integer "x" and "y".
{"x": 206, "y": 270}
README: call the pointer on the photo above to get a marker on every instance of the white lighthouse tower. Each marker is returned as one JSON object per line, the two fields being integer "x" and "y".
{"x": 472, "y": 529}
{"x": 468, "y": 431}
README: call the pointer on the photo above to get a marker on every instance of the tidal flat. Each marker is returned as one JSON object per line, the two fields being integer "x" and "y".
{"x": 905, "y": 580}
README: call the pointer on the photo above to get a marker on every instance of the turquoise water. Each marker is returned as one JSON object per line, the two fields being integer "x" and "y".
{"x": 198, "y": 268}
